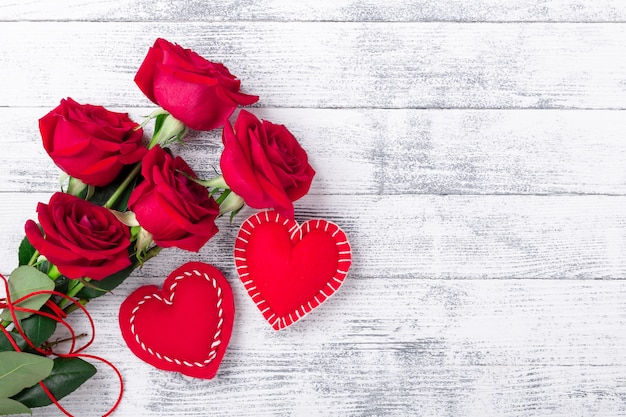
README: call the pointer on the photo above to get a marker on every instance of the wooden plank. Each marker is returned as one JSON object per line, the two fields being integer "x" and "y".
{"x": 423, "y": 236}
{"x": 459, "y": 303}
{"x": 366, "y": 151}
{"x": 320, "y": 10}
{"x": 507, "y": 322}
{"x": 397, "y": 346}
{"x": 360, "y": 384}
{"x": 322, "y": 64}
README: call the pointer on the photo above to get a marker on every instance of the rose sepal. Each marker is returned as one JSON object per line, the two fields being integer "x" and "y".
{"x": 167, "y": 130}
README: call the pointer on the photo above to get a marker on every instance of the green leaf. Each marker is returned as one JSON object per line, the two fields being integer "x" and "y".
{"x": 122, "y": 202}
{"x": 102, "y": 194}
{"x": 23, "y": 281}
{"x": 5, "y": 345}
{"x": 234, "y": 213}
{"x": 9, "y": 406}
{"x": 19, "y": 370}
{"x": 67, "y": 375}
{"x": 98, "y": 288}
{"x": 61, "y": 284}
{"x": 43, "y": 266}
{"x": 25, "y": 252}
{"x": 38, "y": 328}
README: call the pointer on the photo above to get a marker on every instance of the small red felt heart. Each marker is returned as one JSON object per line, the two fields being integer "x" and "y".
{"x": 184, "y": 327}
{"x": 287, "y": 269}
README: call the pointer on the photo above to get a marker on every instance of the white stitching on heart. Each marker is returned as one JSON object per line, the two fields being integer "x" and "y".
{"x": 344, "y": 252}
{"x": 216, "y": 337}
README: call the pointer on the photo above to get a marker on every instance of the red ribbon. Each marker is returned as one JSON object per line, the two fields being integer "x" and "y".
{"x": 59, "y": 316}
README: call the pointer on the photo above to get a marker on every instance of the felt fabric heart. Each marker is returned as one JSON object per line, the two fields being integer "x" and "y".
{"x": 288, "y": 270}
{"x": 184, "y": 327}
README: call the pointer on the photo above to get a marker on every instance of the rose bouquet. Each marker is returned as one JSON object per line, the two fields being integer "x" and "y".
{"x": 122, "y": 200}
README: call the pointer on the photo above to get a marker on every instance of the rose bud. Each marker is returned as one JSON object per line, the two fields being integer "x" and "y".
{"x": 89, "y": 142}
{"x": 199, "y": 93}
{"x": 264, "y": 164}
{"x": 170, "y": 205}
{"x": 79, "y": 237}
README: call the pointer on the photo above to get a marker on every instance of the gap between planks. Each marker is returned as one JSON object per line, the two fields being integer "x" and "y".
{"x": 404, "y": 65}
{"x": 396, "y": 152}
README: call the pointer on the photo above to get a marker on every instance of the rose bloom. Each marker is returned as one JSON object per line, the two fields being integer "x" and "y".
{"x": 79, "y": 237}
{"x": 172, "y": 207}
{"x": 199, "y": 93}
{"x": 264, "y": 164}
{"x": 89, "y": 142}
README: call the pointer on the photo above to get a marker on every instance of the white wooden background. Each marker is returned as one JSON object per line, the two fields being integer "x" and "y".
{"x": 474, "y": 152}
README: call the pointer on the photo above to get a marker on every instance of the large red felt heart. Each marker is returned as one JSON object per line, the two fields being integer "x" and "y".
{"x": 287, "y": 269}
{"x": 185, "y": 326}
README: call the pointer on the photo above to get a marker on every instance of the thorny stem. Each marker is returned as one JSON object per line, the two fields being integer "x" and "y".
{"x": 56, "y": 342}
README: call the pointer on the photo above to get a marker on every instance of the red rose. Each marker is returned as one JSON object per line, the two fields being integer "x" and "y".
{"x": 264, "y": 164}
{"x": 81, "y": 238}
{"x": 199, "y": 93}
{"x": 89, "y": 142}
{"x": 174, "y": 209}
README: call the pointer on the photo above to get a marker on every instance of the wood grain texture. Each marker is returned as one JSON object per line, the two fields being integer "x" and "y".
{"x": 473, "y": 151}
{"x": 310, "y": 386}
{"x": 329, "y": 65}
{"x": 398, "y": 347}
{"x": 451, "y": 237}
{"x": 510, "y": 322}
{"x": 318, "y": 10}
{"x": 395, "y": 152}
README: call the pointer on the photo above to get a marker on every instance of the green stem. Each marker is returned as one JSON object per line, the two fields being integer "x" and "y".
{"x": 5, "y": 323}
{"x": 33, "y": 258}
{"x": 56, "y": 342}
{"x": 74, "y": 307}
{"x": 122, "y": 187}
{"x": 54, "y": 273}
{"x": 74, "y": 288}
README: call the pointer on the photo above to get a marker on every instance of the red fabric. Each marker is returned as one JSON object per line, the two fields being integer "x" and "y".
{"x": 288, "y": 270}
{"x": 184, "y": 327}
